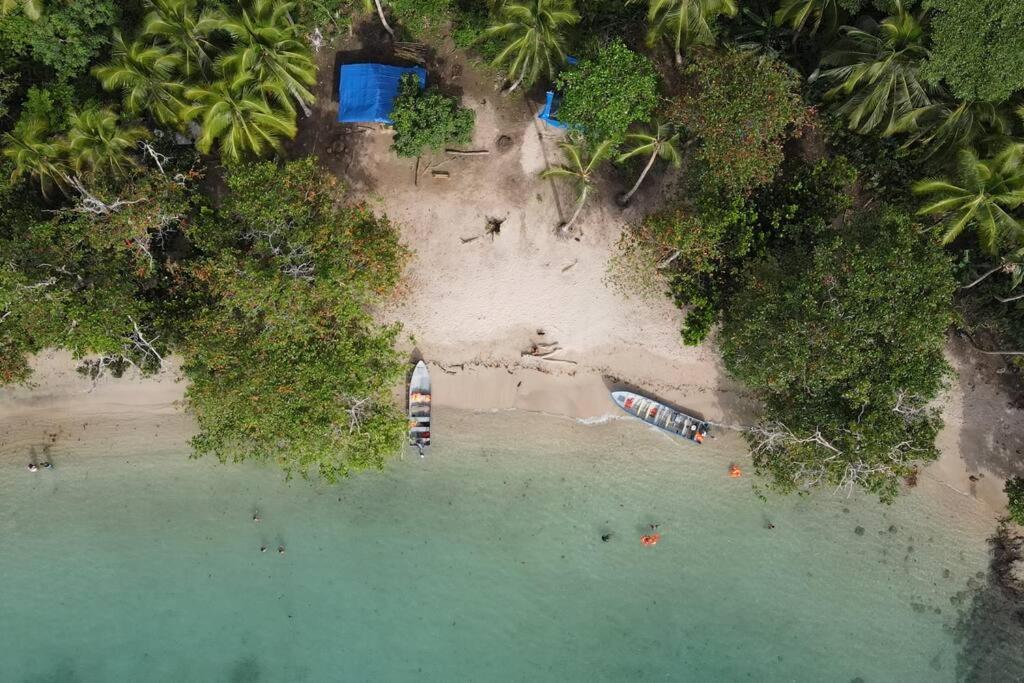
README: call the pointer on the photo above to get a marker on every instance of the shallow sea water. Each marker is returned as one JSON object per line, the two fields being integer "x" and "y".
{"x": 482, "y": 562}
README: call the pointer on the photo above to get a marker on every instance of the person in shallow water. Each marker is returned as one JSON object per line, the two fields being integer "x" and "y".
{"x": 256, "y": 516}
{"x": 32, "y": 467}
{"x": 280, "y": 550}
{"x": 263, "y": 548}
{"x": 46, "y": 466}
{"x": 606, "y": 537}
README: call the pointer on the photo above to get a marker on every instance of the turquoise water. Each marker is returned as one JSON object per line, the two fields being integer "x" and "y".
{"x": 482, "y": 562}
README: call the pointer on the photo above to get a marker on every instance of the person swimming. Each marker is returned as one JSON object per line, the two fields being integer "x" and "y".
{"x": 256, "y": 517}
{"x": 606, "y": 537}
{"x": 263, "y": 548}
{"x": 280, "y": 550}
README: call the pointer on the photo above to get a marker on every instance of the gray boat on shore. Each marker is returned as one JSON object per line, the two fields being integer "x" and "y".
{"x": 419, "y": 408}
{"x": 663, "y": 417}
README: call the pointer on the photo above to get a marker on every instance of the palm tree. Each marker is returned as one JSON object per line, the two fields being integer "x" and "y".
{"x": 989, "y": 189}
{"x": 270, "y": 50}
{"x": 534, "y": 30}
{"x": 797, "y": 13}
{"x": 686, "y": 22}
{"x": 145, "y": 75}
{"x": 98, "y": 146}
{"x": 33, "y": 9}
{"x": 30, "y": 150}
{"x": 947, "y": 125}
{"x": 185, "y": 30}
{"x": 876, "y": 72}
{"x": 580, "y": 170}
{"x": 661, "y": 141}
{"x": 239, "y": 116}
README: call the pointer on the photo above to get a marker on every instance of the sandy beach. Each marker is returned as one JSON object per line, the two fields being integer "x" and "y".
{"x": 480, "y": 308}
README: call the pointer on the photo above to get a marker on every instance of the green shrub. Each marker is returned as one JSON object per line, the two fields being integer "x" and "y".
{"x": 604, "y": 95}
{"x": 1014, "y": 490}
{"x": 742, "y": 109}
{"x": 428, "y": 119}
{"x": 843, "y": 342}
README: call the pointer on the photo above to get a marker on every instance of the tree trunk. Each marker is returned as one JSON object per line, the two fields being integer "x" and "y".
{"x": 647, "y": 169}
{"x": 298, "y": 98}
{"x": 508, "y": 91}
{"x": 383, "y": 21}
{"x": 978, "y": 281}
{"x": 576, "y": 214}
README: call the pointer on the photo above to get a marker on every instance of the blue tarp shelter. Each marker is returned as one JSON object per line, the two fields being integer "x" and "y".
{"x": 367, "y": 92}
{"x": 549, "y": 114}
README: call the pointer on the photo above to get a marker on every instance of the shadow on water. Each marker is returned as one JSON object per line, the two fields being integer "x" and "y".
{"x": 63, "y": 672}
{"x": 247, "y": 670}
{"x": 991, "y": 628}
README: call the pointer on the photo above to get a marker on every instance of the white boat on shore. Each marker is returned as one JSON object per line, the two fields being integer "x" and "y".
{"x": 419, "y": 408}
{"x": 661, "y": 416}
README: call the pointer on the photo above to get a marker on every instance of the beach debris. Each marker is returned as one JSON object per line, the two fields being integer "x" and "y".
{"x": 493, "y": 226}
{"x": 467, "y": 152}
{"x": 503, "y": 143}
{"x": 444, "y": 175}
{"x": 571, "y": 265}
{"x": 447, "y": 368}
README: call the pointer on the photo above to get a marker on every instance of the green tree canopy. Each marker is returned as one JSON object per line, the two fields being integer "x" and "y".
{"x": 876, "y": 72}
{"x": 428, "y": 119}
{"x": 988, "y": 193}
{"x": 285, "y": 362}
{"x": 604, "y": 95}
{"x": 978, "y": 47}
{"x": 843, "y": 343}
{"x": 683, "y": 23}
{"x": 533, "y": 37}
{"x": 742, "y": 109}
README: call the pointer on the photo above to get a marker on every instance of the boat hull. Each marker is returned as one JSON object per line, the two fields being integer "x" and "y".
{"x": 663, "y": 417}
{"x": 419, "y": 408}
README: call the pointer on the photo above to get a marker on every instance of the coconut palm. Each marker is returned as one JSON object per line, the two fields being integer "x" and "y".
{"x": 876, "y": 72}
{"x": 988, "y": 190}
{"x": 269, "y": 50}
{"x": 33, "y": 9}
{"x": 239, "y": 118}
{"x": 32, "y": 153}
{"x": 947, "y": 125}
{"x": 686, "y": 22}
{"x": 661, "y": 141}
{"x": 534, "y": 31}
{"x": 186, "y": 31}
{"x": 145, "y": 74}
{"x": 97, "y": 146}
{"x": 580, "y": 170}
{"x": 797, "y": 13}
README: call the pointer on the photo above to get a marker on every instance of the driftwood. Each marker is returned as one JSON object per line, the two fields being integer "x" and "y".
{"x": 467, "y": 152}
{"x": 467, "y": 240}
{"x": 570, "y": 265}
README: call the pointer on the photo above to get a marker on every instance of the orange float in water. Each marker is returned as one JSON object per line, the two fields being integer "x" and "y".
{"x": 735, "y": 472}
{"x": 650, "y": 540}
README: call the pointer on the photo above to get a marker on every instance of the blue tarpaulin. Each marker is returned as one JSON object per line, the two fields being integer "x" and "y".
{"x": 549, "y": 114}
{"x": 367, "y": 92}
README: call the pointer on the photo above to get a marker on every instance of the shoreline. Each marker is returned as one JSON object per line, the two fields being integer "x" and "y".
{"x": 62, "y": 409}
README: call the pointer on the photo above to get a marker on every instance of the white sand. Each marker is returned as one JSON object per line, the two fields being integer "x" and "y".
{"x": 471, "y": 309}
